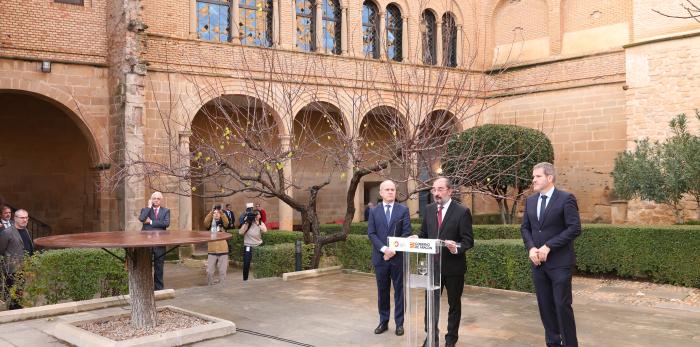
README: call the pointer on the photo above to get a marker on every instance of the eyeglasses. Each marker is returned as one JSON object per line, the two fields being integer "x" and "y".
{"x": 439, "y": 189}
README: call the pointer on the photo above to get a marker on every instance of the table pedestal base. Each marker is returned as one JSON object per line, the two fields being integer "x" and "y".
{"x": 143, "y": 302}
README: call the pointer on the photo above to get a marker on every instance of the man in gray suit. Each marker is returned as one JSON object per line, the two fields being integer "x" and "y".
{"x": 155, "y": 217}
{"x": 15, "y": 242}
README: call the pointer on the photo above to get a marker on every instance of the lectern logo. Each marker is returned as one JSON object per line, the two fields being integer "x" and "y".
{"x": 396, "y": 243}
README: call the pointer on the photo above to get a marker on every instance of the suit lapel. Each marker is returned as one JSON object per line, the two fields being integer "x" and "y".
{"x": 555, "y": 196}
{"x": 532, "y": 209}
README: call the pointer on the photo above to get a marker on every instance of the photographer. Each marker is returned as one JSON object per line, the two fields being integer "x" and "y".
{"x": 252, "y": 230}
{"x": 217, "y": 257}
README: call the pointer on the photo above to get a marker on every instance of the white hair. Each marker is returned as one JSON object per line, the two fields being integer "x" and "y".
{"x": 383, "y": 184}
{"x": 157, "y": 195}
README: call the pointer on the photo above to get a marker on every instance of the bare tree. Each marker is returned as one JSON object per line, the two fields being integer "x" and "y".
{"x": 288, "y": 119}
{"x": 691, "y": 9}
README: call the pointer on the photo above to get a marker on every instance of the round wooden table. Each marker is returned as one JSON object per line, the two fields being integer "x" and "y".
{"x": 137, "y": 245}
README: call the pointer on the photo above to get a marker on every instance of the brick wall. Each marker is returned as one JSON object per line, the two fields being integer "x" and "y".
{"x": 47, "y": 30}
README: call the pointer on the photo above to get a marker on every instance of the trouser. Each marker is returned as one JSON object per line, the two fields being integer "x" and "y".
{"x": 247, "y": 258}
{"x": 455, "y": 287}
{"x": 554, "y": 299}
{"x": 214, "y": 262}
{"x": 158, "y": 264}
{"x": 386, "y": 274}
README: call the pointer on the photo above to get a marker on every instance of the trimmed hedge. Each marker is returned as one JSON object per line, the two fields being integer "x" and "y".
{"x": 274, "y": 260}
{"x": 502, "y": 264}
{"x": 660, "y": 254}
{"x": 491, "y": 263}
{"x": 270, "y": 238}
{"x": 73, "y": 274}
{"x": 359, "y": 228}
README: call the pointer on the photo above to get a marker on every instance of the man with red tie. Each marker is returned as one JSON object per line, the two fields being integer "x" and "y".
{"x": 448, "y": 220}
{"x": 155, "y": 217}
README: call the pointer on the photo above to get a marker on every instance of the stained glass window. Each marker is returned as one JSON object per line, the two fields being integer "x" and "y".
{"x": 449, "y": 40}
{"x": 370, "y": 30}
{"x": 306, "y": 19}
{"x": 429, "y": 32}
{"x": 213, "y": 22}
{"x": 331, "y": 26}
{"x": 255, "y": 23}
{"x": 394, "y": 33}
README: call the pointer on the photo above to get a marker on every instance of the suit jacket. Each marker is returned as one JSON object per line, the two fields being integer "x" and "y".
{"x": 12, "y": 248}
{"x": 378, "y": 231}
{"x": 456, "y": 226}
{"x": 231, "y": 216}
{"x": 559, "y": 227}
{"x": 160, "y": 223}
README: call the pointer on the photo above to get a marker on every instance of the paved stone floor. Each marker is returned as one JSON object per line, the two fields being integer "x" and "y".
{"x": 340, "y": 310}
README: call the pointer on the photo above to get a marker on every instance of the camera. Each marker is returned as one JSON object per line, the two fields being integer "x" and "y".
{"x": 249, "y": 216}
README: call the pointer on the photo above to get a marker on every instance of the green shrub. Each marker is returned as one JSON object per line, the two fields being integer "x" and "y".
{"x": 356, "y": 253}
{"x": 500, "y": 264}
{"x": 74, "y": 274}
{"x": 487, "y": 218}
{"x": 499, "y": 231}
{"x": 274, "y": 260}
{"x": 660, "y": 254}
{"x": 235, "y": 244}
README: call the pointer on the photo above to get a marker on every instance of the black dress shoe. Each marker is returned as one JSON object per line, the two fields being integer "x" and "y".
{"x": 382, "y": 327}
{"x": 449, "y": 344}
{"x": 399, "y": 330}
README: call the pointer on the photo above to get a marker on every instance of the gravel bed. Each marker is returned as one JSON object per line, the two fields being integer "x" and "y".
{"x": 119, "y": 328}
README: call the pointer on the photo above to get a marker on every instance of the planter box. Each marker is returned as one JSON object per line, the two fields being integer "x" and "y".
{"x": 69, "y": 332}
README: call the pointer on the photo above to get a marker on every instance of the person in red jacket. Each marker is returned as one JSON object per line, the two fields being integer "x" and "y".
{"x": 263, "y": 214}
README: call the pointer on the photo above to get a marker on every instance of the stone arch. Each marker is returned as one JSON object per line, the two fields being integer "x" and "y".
{"x": 343, "y": 103}
{"x": 203, "y": 96}
{"x": 98, "y": 141}
{"x": 50, "y": 162}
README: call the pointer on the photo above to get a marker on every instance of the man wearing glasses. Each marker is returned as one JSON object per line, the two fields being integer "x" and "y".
{"x": 448, "y": 220}
{"x": 15, "y": 242}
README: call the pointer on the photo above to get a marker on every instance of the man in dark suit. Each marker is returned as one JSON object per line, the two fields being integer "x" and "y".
{"x": 551, "y": 222}
{"x": 388, "y": 219}
{"x": 231, "y": 216}
{"x": 447, "y": 220}
{"x": 155, "y": 217}
{"x": 5, "y": 217}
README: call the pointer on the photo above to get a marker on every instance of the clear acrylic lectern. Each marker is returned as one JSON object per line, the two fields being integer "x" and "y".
{"x": 421, "y": 283}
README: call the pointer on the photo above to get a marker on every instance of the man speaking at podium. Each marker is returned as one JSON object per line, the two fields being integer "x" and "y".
{"x": 388, "y": 219}
{"x": 447, "y": 220}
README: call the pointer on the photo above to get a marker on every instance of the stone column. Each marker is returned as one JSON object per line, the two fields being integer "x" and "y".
{"x": 184, "y": 222}
{"x": 275, "y": 23}
{"x": 234, "y": 15}
{"x": 438, "y": 44}
{"x": 344, "y": 31}
{"x": 318, "y": 25}
{"x": 193, "y": 19}
{"x": 292, "y": 44}
{"x": 286, "y": 213}
{"x": 460, "y": 45}
{"x": 405, "y": 40}
{"x": 381, "y": 38}
{"x": 134, "y": 189}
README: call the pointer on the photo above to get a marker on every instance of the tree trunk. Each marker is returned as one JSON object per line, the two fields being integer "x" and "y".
{"x": 502, "y": 209}
{"x": 143, "y": 302}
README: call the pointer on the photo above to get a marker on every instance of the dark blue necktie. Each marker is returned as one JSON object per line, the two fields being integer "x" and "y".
{"x": 543, "y": 204}
{"x": 388, "y": 214}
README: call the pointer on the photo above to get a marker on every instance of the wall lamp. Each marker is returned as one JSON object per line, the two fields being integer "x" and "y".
{"x": 46, "y": 66}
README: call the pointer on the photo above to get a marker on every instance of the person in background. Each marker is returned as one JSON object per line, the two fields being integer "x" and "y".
{"x": 154, "y": 218}
{"x": 217, "y": 257}
{"x": 252, "y": 230}
{"x": 263, "y": 213}
{"x": 5, "y": 217}
{"x": 369, "y": 206}
{"x": 15, "y": 243}
{"x": 231, "y": 217}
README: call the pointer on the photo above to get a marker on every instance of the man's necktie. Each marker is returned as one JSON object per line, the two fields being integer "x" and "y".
{"x": 543, "y": 204}
{"x": 388, "y": 214}
{"x": 439, "y": 216}
{"x": 156, "y": 213}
